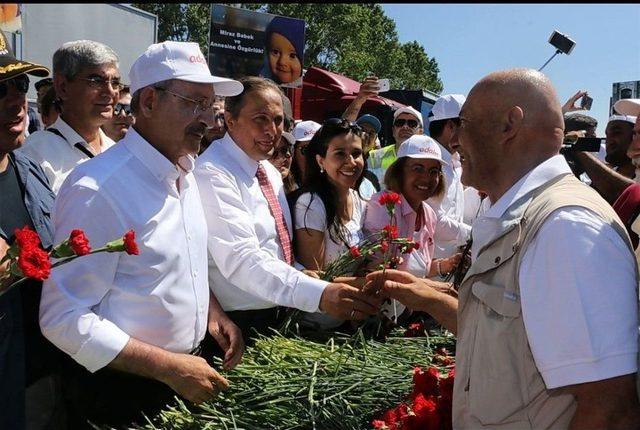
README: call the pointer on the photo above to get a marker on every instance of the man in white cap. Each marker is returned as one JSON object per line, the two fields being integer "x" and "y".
{"x": 252, "y": 270}
{"x": 303, "y": 132}
{"x": 135, "y": 322}
{"x": 87, "y": 83}
{"x": 406, "y": 122}
{"x": 443, "y": 124}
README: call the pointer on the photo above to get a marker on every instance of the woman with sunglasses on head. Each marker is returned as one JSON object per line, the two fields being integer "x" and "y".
{"x": 327, "y": 211}
{"x": 416, "y": 176}
{"x": 281, "y": 159}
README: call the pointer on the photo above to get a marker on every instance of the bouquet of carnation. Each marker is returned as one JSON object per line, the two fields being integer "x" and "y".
{"x": 386, "y": 242}
{"x": 26, "y": 259}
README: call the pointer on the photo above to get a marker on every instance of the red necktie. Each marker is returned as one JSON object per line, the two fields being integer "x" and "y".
{"x": 276, "y": 211}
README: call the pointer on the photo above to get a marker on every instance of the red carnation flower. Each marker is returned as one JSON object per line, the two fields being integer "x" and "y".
{"x": 130, "y": 243}
{"x": 416, "y": 245}
{"x": 425, "y": 382}
{"x": 415, "y": 330}
{"x": 389, "y": 199}
{"x": 379, "y": 425}
{"x": 482, "y": 195}
{"x": 384, "y": 246}
{"x": 34, "y": 262}
{"x": 426, "y": 413}
{"x": 390, "y": 231}
{"x": 79, "y": 242}
{"x": 355, "y": 252}
{"x": 26, "y": 237}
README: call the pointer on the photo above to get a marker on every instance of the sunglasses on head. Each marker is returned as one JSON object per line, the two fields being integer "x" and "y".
{"x": 332, "y": 125}
{"x": 20, "y": 82}
{"x": 412, "y": 123}
{"x": 119, "y": 107}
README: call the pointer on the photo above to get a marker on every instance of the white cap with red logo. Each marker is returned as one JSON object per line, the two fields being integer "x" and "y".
{"x": 421, "y": 146}
{"x": 305, "y": 130}
{"x": 178, "y": 60}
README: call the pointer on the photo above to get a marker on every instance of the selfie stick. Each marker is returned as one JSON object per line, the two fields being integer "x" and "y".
{"x": 549, "y": 60}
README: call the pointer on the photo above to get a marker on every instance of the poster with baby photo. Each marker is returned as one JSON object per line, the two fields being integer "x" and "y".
{"x": 248, "y": 43}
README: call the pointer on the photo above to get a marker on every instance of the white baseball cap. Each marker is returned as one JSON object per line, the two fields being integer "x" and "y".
{"x": 625, "y": 118}
{"x": 421, "y": 146}
{"x": 628, "y": 107}
{"x": 447, "y": 107}
{"x": 304, "y": 130}
{"x": 289, "y": 137}
{"x": 409, "y": 110}
{"x": 178, "y": 60}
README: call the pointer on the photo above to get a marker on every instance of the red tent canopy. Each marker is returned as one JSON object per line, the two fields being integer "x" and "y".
{"x": 326, "y": 94}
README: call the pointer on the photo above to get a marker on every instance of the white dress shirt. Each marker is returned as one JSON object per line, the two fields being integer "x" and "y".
{"x": 451, "y": 231}
{"x": 91, "y": 306}
{"x": 577, "y": 285}
{"x": 58, "y": 156}
{"x": 246, "y": 262}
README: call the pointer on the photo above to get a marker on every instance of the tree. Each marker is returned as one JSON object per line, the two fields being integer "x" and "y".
{"x": 350, "y": 39}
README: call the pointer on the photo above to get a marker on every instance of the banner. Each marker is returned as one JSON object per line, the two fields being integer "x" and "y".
{"x": 248, "y": 43}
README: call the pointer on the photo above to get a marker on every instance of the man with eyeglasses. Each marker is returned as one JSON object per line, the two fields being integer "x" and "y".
{"x": 29, "y": 364}
{"x": 135, "y": 323}
{"x": 122, "y": 117}
{"x": 406, "y": 122}
{"x": 87, "y": 83}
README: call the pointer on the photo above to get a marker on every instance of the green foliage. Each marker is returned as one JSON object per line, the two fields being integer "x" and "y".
{"x": 350, "y": 39}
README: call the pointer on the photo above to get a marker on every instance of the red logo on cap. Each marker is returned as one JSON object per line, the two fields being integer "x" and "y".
{"x": 197, "y": 59}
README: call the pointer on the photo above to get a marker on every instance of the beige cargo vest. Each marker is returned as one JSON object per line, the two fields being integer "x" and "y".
{"x": 497, "y": 384}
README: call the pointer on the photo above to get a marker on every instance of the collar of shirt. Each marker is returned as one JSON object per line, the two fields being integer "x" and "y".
{"x": 248, "y": 165}
{"x": 72, "y": 137}
{"x": 536, "y": 177}
{"x": 154, "y": 161}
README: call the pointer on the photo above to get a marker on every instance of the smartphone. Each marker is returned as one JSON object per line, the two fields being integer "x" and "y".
{"x": 384, "y": 85}
{"x": 586, "y": 102}
{"x": 562, "y": 42}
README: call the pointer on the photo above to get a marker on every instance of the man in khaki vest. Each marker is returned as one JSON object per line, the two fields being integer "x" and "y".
{"x": 547, "y": 316}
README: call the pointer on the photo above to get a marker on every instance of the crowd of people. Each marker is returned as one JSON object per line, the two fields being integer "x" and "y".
{"x": 238, "y": 208}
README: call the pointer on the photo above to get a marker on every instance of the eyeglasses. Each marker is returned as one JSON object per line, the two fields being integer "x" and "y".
{"x": 201, "y": 106}
{"x": 282, "y": 152}
{"x": 302, "y": 148}
{"x": 412, "y": 123}
{"x": 98, "y": 82}
{"x": 20, "y": 82}
{"x": 421, "y": 170}
{"x": 119, "y": 107}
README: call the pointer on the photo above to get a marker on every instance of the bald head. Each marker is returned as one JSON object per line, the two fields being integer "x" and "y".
{"x": 511, "y": 122}
{"x": 533, "y": 97}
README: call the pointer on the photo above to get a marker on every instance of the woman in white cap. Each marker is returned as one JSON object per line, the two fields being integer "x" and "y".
{"x": 328, "y": 209}
{"x": 417, "y": 176}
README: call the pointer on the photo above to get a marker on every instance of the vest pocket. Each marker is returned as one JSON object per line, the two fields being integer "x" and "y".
{"x": 496, "y": 388}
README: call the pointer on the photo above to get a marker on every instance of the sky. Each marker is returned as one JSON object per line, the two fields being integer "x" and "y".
{"x": 471, "y": 40}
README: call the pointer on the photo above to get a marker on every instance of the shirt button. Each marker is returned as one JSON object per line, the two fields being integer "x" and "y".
{"x": 195, "y": 273}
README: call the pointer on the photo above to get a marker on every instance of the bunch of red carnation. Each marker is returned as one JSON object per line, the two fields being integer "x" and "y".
{"x": 26, "y": 259}
{"x": 428, "y": 407}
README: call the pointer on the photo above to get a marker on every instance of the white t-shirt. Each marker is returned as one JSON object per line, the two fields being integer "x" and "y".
{"x": 311, "y": 214}
{"x": 577, "y": 285}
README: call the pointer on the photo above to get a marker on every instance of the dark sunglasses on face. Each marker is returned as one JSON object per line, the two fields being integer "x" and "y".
{"x": 119, "y": 107}
{"x": 20, "y": 82}
{"x": 335, "y": 126}
{"x": 302, "y": 148}
{"x": 412, "y": 123}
